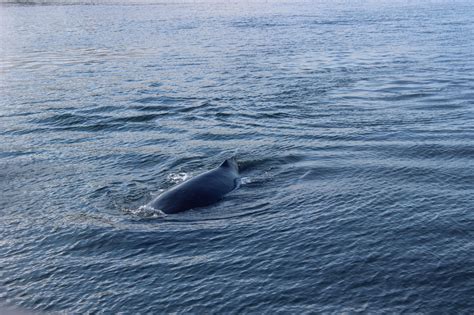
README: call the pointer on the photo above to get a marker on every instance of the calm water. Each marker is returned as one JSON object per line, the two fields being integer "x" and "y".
{"x": 353, "y": 123}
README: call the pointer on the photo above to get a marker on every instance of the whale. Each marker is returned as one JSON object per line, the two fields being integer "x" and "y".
{"x": 200, "y": 191}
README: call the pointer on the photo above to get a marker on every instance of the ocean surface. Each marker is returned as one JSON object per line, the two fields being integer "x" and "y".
{"x": 353, "y": 125}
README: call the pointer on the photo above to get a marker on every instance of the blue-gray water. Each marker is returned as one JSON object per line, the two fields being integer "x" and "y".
{"x": 353, "y": 123}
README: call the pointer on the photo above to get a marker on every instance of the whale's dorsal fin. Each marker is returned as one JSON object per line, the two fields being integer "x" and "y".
{"x": 231, "y": 163}
{"x": 225, "y": 163}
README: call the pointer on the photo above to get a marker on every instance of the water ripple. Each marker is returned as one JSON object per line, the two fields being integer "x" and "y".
{"x": 352, "y": 125}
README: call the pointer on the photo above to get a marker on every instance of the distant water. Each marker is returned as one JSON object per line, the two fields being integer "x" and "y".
{"x": 353, "y": 122}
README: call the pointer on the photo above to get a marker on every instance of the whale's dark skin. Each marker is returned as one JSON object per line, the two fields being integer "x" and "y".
{"x": 200, "y": 191}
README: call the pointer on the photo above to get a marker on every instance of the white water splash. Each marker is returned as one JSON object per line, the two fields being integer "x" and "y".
{"x": 146, "y": 211}
{"x": 177, "y": 178}
{"x": 245, "y": 180}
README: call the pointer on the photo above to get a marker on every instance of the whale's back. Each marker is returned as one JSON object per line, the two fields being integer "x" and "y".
{"x": 200, "y": 191}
